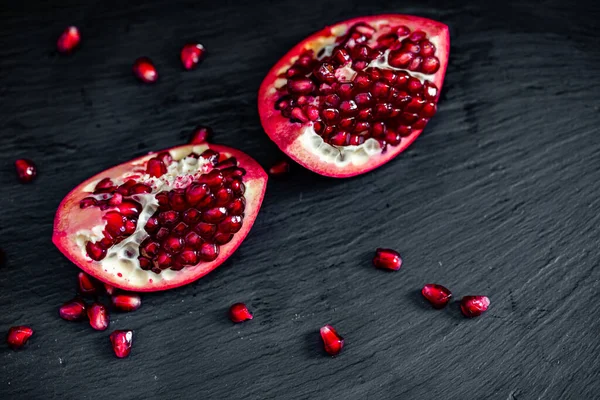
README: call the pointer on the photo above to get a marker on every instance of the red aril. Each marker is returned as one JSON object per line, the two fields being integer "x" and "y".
{"x": 176, "y": 221}
{"x": 98, "y": 316}
{"x": 387, "y": 259}
{"x": 73, "y": 310}
{"x": 280, "y": 168}
{"x": 332, "y": 341}
{"x": 26, "y": 170}
{"x": 144, "y": 70}
{"x": 18, "y": 336}
{"x": 191, "y": 55}
{"x": 121, "y": 341}
{"x": 353, "y": 96}
{"x": 239, "y": 313}
{"x": 473, "y": 306}
{"x": 126, "y": 301}
{"x": 87, "y": 285}
{"x": 438, "y": 295}
{"x": 201, "y": 134}
{"x": 68, "y": 40}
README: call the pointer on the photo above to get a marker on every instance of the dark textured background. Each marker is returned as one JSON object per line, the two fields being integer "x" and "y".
{"x": 499, "y": 196}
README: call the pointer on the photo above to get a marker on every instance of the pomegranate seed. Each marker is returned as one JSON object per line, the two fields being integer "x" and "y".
{"x": 215, "y": 215}
{"x": 86, "y": 285}
{"x": 98, "y": 316}
{"x": 144, "y": 70}
{"x": 239, "y": 313}
{"x": 156, "y": 168}
{"x": 473, "y": 306}
{"x": 126, "y": 301}
{"x": 95, "y": 251}
{"x": 18, "y": 336}
{"x": 68, "y": 40}
{"x": 438, "y": 295}
{"x": 121, "y": 341}
{"x": 191, "y": 55}
{"x": 110, "y": 290}
{"x": 26, "y": 170}
{"x": 280, "y": 168}
{"x": 73, "y": 310}
{"x": 201, "y": 134}
{"x": 387, "y": 259}
{"x": 332, "y": 341}
{"x": 430, "y": 65}
{"x": 208, "y": 252}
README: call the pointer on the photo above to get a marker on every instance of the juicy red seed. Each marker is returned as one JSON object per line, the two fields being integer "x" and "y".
{"x": 26, "y": 170}
{"x": 121, "y": 341}
{"x": 188, "y": 257}
{"x": 341, "y": 56}
{"x": 302, "y": 85}
{"x": 201, "y": 134}
{"x": 145, "y": 263}
{"x": 239, "y": 313}
{"x": 341, "y": 138}
{"x": 223, "y": 196}
{"x": 156, "y": 168}
{"x": 126, "y": 301}
{"x": 144, "y": 70}
{"x": 400, "y": 58}
{"x": 233, "y": 172}
{"x": 222, "y": 238}
{"x": 356, "y": 140}
{"x": 438, "y": 295}
{"x": 191, "y": 55}
{"x": 205, "y": 230}
{"x": 238, "y": 188}
{"x": 151, "y": 225}
{"x": 427, "y": 48}
{"x": 387, "y": 259}
{"x": 211, "y": 156}
{"x": 165, "y": 157}
{"x": 473, "y": 306}
{"x": 73, "y": 310}
{"x": 430, "y": 65}
{"x": 68, "y": 40}
{"x": 208, "y": 252}
{"x": 280, "y": 168}
{"x": 404, "y": 131}
{"x": 149, "y": 248}
{"x": 18, "y": 336}
{"x": 95, "y": 251}
{"x": 207, "y": 202}
{"x": 191, "y": 216}
{"x": 193, "y": 239}
{"x": 98, "y": 316}
{"x": 130, "y": 208}
{"x": 414, "y": 85}
{"x": 214, "y": 215}
{"x": 417, "y": 35}
{"x": 177, "y": 200}
{"x": 162, "y": 233}
{"x": 393, "y": 138}
{"x": 86, "y": 285}
{"x": 180, "y": 229}
{"x": 140, "y": 188}
{"x": 429, "y": 90}
{"x": 213, "y": 179}
{"x": 330, "y": 115}
{"x": 88, "y": 202}
{"x": 332, "y": 341}
{"x": 163, "y": 260}
{"x": 115, "y": 223}
{"x": 116, "y": 199}
{"x": 173, "y": 244}
{"x": 110, "y": 290}
{"x": 168, "y": 218}
{"x": 230, "y": 162}
{"x": 196, "y": 192}
{"x": 402, "y": 30}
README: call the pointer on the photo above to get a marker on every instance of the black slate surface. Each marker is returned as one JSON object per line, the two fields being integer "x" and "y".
{"x": 499, "y": 196}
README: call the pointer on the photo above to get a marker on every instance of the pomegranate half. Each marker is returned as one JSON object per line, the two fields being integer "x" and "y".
{"x": 162, "y": 220}
{"x": 354, "y": 95}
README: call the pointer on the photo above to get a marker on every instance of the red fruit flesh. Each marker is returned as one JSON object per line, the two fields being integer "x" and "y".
{"x": 201, "y": 134}
{"x": 332, "y": 341}
{"x": 192, "y": 54}
{"x": 438, "y": 295}
{"x": 26, "y": 170}
{"x": 98, "y": 316}
{"x": 121, "y": 341}
{"x": 387, "y": 259}
{"x": 86, "y": 284}
{"x": 473, "y": 306}
{"x": 353, "y": 96}
{"x": 68, "y": 40}
{"x": 144, "y": 70}
{"x": 73, "y": 310}
{"x": 126, "y": 301}
{"x": 167, "y": 230}
{"x": 280, "y": 169}
{"x": 18, "y": 336}
{"x": 239, "y": 313}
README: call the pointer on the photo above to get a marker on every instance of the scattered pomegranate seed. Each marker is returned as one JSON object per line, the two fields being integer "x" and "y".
{"x": 438, "y": 295}
{"x": 192, "y": 54}
{"x": 126, "y": 301}
{"x": 279, "y": 169}
{"x": 68, "y": 40}
{"x": 201, "y": 134}
{"x": 473, "y": 306}
{"x": 332, "y": 341}
{"x": 121, "y": 341}
{"x": 98, "y": 316}
{"x": 87, "y": 285}
{"x": 239, "y": 313}
{"x": 387, "y": 259}
{"x": 110, "y": 290}
{"x": 144, "y": 70}
{"x": 73, "y": 310}
{"x": 18, "y": 336}
{"x": 26, "y": 170}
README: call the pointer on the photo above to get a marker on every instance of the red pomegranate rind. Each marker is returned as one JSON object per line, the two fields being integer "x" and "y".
{"x": 290, "y": 136}
{"x": 71, "y": 219}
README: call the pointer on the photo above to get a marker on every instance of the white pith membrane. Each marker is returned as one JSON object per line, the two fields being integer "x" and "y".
{"x": 342, "y": 156}
{"x": 122, "y": 258}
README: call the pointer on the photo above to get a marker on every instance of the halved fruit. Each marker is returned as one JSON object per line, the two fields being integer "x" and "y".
{"x": 162, "y": 220}
{"x": 354, "y": 95}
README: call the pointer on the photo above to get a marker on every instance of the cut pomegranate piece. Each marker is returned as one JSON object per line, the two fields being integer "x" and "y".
{"x": 179, "y": 214}
{"x": 280, "y": 168}
{"x": 239, "y": 313}
{"x": 473, "y": 306}
{"x": 26, "y": 170}
{"x": 353, "y": 96}
{"x": 126, "y": 301}
{"x": 387, "y": 259}
{"x": 98, "y": 316}
{"x": 18, "y": 336}
{"x": 87, "y": 285}
{"x": 192, "y": 54}
{"x": 73, "y": 310}
{"x": 68, "y": 40}
{"x": 332, "y": 341}
{"x": 201, "y": 134}
{"x": 438, "y": 295}
{"x": 144, "y": 70}
{"x": 121, "y": 341}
